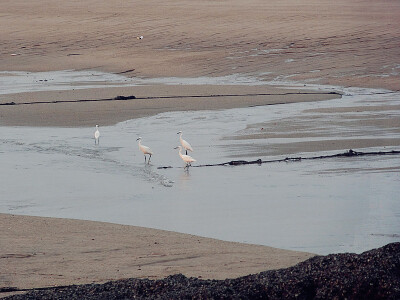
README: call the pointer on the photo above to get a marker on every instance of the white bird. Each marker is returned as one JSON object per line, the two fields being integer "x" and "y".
{"x": 96, "y": 135}
{"x": 184, "y": 143}
{"x": 186, "y": 158}
{"x": 144, "y": 149}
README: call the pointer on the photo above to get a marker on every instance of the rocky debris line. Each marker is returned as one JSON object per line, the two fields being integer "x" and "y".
{"x": 131, "y": 97}
{"x": 349, "y": 153}
{"x": 373, "y": 274}
{"x": 72, "y": 101}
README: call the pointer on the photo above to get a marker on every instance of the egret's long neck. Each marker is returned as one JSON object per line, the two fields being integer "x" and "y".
{"x": 180, "y": 136}
{"x": 180, "y": 153}
{"x": 140, "y": 144}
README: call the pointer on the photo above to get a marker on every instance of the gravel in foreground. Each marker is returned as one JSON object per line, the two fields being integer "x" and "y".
{"x": 373, "y": 274}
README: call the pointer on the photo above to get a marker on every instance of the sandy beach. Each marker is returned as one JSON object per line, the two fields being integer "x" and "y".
{"x": 343, "y": 43}
{"x": 41, "y": 252}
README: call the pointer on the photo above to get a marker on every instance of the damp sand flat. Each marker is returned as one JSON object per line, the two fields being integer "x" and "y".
{"x": 85, "y": 98}
{"x": 77, "y": 252}
{"x": 320, "y": 207}
{"x": 343, "y": 42}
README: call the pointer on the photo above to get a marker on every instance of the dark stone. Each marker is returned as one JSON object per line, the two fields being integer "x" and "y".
{"x": 124, "y": 97}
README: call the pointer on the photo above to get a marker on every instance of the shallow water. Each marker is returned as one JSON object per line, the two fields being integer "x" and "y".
{"x": 12, "y": 82}
{"x": 321, "y": 206}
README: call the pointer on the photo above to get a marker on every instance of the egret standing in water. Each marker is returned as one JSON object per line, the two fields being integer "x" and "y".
{"x": 97, "y": 135}
{"x": 184, "y": 143}
{"x": 144, "y": 149}
{"x": 186, "y": 158}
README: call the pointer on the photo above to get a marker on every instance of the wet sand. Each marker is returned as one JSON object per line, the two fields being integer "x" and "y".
{"x": 371, "y": 275}
{"x": 70, "y": 111}
{"x": 313, "y": 128}
{"x": 341, "y": 43}
{"x": 40, "y": 252}
{"x": 348, "y": 43}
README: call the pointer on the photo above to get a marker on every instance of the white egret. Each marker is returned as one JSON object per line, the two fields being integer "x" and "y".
{"x": 184, "y": 143}
{"x": 97, "y": 135}
{"x": 144, "y": 149}
{"x": 186, "y": 158}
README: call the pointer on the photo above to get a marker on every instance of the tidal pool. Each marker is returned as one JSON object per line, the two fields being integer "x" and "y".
{"x": 321, "y": 206}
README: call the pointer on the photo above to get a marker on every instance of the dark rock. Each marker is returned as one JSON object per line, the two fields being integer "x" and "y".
{"x": 238, "y": 162}
{"x": 244, "y": 162}
{"x": 124, "y": 97}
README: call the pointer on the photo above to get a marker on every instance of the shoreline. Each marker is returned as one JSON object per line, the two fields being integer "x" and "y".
{"x": 40, "y": 252}
{"x": 88, "y": 107}
{"x": 372, "y": 274}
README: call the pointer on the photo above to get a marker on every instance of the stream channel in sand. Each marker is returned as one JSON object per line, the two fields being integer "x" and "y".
{"x": 323, "y": 206}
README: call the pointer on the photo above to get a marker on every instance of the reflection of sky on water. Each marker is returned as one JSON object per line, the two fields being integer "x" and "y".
{"x": 325, "y": 206}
